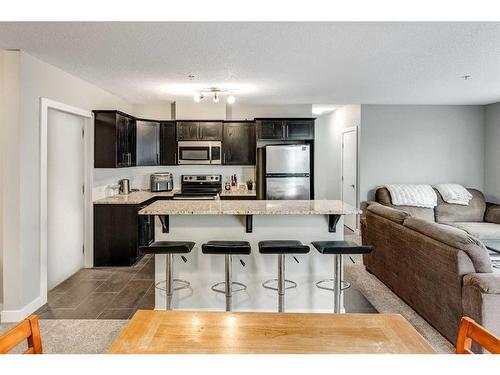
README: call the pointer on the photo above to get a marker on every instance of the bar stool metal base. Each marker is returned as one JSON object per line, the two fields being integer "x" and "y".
{"x": 291, "y": 284}
{"x": 345, "y": 284}
{"x": 222, "y": 290}
{"x": 182, "y": 284}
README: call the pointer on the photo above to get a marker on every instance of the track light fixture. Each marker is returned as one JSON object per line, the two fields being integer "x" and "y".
{"x": 216, "y": 92}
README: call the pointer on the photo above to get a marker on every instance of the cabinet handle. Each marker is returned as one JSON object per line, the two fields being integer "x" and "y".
{"x": 157, "y": 158}
{"x": 201, "y": 133}
{"x": 283, "y": 131}
{"x": 224, "y": 157}
{"x": 175, "y": 157}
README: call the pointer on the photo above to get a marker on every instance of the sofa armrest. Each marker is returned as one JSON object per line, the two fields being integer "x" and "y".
{"x": 481, "y": 299}
{"x": 456, "y": 238}
{"x": 488, "y": 283}
{"x": 393, "y": 214}
{"x": 492, "y": 214}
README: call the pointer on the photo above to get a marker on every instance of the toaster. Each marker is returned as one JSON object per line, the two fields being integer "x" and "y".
{"x": 162, "y": 182}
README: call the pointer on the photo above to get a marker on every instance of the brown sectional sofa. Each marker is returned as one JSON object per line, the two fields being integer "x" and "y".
{"x": 434, "y": 259}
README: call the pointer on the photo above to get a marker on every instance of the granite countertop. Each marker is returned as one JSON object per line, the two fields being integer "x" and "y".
{"x": 250, "y": 207}
{"x": 141, "y": 196}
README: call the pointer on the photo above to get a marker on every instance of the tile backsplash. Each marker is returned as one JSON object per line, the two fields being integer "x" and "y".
{"x": 139, "y": 176}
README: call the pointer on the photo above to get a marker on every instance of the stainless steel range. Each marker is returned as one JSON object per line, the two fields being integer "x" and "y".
{"x": 200, "y": 187}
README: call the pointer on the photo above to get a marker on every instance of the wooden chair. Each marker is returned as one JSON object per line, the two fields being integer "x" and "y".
{"x": 29, "y": 330}
{"x": 471, "y": 331}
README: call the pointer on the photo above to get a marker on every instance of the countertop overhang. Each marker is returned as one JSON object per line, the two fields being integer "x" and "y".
{"x": 250, "y": 207}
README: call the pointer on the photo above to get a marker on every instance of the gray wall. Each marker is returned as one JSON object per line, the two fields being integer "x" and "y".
{"x": 421, "y": 144}
{"x": 327, "y": 151}
{"x": 21, "y": 235}
{"x": 492, "y": 153}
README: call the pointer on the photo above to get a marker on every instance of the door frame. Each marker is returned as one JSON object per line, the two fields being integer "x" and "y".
{"x": 45, "y": 105}
{"x": 356, "y": 132}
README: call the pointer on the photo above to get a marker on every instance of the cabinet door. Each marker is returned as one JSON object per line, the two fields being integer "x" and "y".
{"x": 105, "y": 140}
{"x": 238, "y": 143}
{"x": 148, "y": 143}
{"x": 210, "y": 131}
{"x": 168, "y": 145}
{"x": 123, "y": 157}
{"x": 132, "y": 141}
{"x": 116, "y": 235}
{"x": 270, "y": 129}
{"x": 299, "y": 129}
{"x": 187, "y": 131}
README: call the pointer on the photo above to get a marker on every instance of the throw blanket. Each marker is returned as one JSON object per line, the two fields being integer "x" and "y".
{"x": 454, "y": 193}
{"x": 412, "y": 195}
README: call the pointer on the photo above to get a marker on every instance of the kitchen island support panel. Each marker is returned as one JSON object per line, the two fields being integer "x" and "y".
{"x": 203, "y": 270}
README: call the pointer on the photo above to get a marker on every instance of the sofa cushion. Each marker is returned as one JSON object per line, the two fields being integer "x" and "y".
{"x": 390, "y": 213}
{"x": 456, "y": 238}
{"x": 483, "y": 231}
{"x": 451, "y": 213}
{"x": 383, "y": 196}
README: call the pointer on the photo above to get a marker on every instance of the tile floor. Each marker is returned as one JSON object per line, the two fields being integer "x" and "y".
{"x": 103, "y": 293}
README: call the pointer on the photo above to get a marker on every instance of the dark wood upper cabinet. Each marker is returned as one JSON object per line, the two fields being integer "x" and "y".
{"x": 285, "y": 129}
{"x": 114, "y": 140}
{"x": 187, "y": 131}
{"x": 199, "y": 130}
{"x": 168, "y": 145}
{"x": 238, "y": 143}
{"x": 210, "y": 131}
{"x": 299, "y": 129}
{"x": 270, "y": 129}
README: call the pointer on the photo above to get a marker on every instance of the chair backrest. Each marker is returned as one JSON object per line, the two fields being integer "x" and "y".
{"x": 471, "y": 331}
{"x": 28, "y": 330}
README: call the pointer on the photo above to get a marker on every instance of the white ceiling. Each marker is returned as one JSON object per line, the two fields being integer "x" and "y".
{"x": 412, "y": 63}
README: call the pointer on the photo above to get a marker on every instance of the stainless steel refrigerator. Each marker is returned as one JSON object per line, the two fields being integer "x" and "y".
{"x": 287, "y": 172}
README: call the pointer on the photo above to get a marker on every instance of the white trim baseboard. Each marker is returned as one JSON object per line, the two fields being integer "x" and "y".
{"x": 12, "y": 316}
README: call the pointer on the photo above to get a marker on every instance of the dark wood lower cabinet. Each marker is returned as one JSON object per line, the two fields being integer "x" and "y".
{"x": 118, "y": 233}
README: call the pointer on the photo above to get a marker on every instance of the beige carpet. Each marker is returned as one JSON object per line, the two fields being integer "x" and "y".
{"x": 66, "y": 336}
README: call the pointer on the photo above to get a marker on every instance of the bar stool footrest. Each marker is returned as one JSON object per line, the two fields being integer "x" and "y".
{"x": 181, "y": 284}
{"x": 291, "y": 284}
{"x": 344, "y": 284}
{"x": 220, "y": 287}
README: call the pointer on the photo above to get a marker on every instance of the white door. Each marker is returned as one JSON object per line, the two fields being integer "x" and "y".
{"x": 65, "y": 204}
{"x": 350, "y": 173}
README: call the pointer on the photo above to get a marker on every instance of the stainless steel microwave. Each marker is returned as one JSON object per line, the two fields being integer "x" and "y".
{"x": 199, "y": 152}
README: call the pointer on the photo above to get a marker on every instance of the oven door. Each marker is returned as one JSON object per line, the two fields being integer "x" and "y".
{"x": 194, "y": 152}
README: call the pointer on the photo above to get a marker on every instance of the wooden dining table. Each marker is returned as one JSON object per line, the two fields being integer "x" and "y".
{"x": 196, "y": 332}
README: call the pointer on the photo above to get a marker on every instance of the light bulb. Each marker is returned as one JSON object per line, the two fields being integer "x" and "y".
{"x": 216, "y": 98}
{"x": 197, "y": 97}
{"x": 230, "y": 99}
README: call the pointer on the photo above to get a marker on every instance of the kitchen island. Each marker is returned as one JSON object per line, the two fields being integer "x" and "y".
{"x": 252, "y": 221}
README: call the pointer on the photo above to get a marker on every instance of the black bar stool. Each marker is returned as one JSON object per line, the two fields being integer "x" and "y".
{"x": 169, "y": 248}
{"x": 281, "y": 248}
{"x": 228, "y": 249}
{"x": 338, "y": 249}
